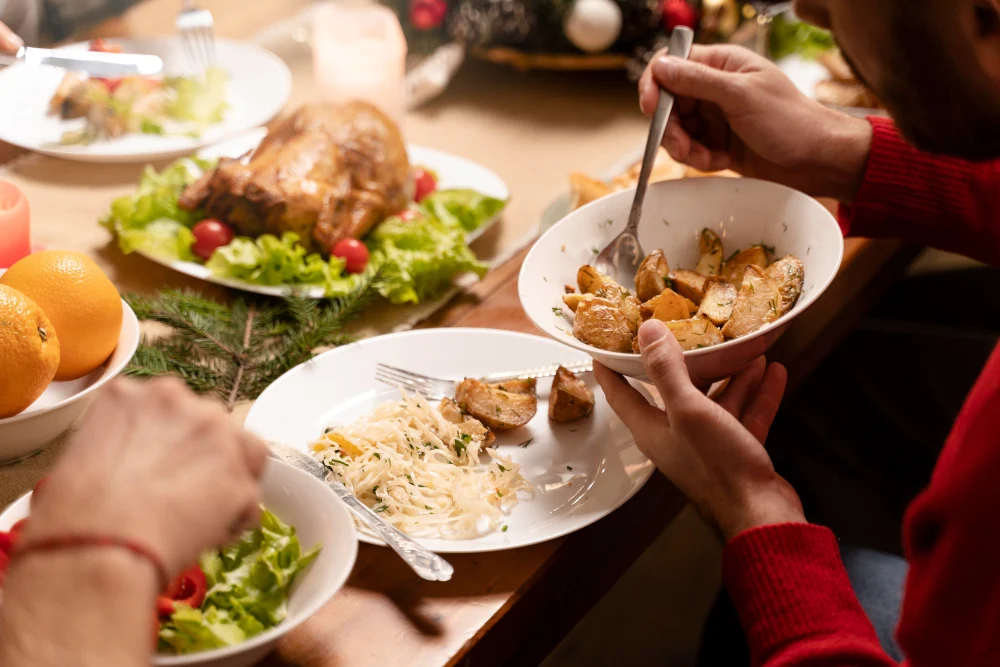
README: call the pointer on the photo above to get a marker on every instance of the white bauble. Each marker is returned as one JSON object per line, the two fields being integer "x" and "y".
{"x": 593, "y": 25}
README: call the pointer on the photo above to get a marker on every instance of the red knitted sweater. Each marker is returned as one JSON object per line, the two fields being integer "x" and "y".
{"x": 787, "y": 581}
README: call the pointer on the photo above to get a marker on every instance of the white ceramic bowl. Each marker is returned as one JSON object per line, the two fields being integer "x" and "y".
{"x": 741, "y": 211}
{"x": 62, "y": 402}
{"x": 319, "y": 517}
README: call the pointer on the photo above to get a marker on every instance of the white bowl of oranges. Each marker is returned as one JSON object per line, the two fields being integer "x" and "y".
{"x": 64, "y": 332}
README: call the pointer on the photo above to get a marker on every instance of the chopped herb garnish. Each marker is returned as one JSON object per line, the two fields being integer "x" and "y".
{"x": 381, "y": 508}
{"x": 375, "y": 489}
{"x": 545, "y": 279}
{"x": 459, "y": 447}
{"x": 503, "y": 529}
{"x": 498, "y": 409}
{"x": 427, "y": 507}
{"x": 735, "y": 252}
{"x": 526, "y": 442}
{"x": 377, "y": 455}
{"x": 337, "y": 461}
{"x": 499, "y": 495}
{"x": 767, "y": 248}
{"x": 699, "y": 346}
{"x": 774, "y": 305}
{"x": 668, "y": 281}
{"x": 606, "y": 223}
{"x": 666, "y": 222}
{"x": 569, "y": 467}
{"x": 502, "y": 469}
{"x": 409, "y": 477}
{"x": 750, "y": 287}
{"x": 558, "y": 311}
{"x": 595, "y": 251}
{"x": 327, "y": 430}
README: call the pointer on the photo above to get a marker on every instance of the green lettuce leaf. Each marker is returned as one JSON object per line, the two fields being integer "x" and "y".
{"x": 157, "y": 197}
{"x": 463, "y": 209}
{"x": 794, "y": 37}
{"x": 163, "y": 238}
{"x": 419, "y": 258}
{"x": 248, "y": 587}
{"x": 201, "y": 100}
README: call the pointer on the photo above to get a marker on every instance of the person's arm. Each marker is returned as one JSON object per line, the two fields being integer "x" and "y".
{"x": 932, "y": 200}
{"x": 87, "y": 607}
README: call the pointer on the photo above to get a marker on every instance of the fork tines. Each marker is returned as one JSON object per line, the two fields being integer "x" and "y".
{"x": 196, "y": 29}
{"x": 413, "y": 382}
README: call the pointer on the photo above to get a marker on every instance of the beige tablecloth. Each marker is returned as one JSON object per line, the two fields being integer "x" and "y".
{"x": 530, "y": 128}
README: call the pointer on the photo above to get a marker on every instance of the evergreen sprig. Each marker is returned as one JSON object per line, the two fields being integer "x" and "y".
{"x": 235, "y": 350}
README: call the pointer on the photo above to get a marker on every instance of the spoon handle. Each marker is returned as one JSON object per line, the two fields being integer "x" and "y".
{"x": 680, "y": 43}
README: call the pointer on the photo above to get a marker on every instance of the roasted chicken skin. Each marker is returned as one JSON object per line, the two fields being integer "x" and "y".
{"x": 325, "y": 172}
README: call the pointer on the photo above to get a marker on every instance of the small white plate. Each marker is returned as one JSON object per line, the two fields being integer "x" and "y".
{"x": 259, "y": 85}
{"x": 805, "y": 73}
{"x": 581, "y": 471}
{"x": 453, "y": 172}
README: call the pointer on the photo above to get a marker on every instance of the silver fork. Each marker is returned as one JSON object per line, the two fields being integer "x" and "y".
{"x": 433, "y": 388}
{"x": 195, "y": 26}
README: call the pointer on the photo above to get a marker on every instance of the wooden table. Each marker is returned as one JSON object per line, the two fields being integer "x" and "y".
{"x": 512, "y": 607}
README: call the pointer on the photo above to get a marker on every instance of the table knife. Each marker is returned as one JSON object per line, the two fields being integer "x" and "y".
{"x": 424, "y": 562}
{"x": 93, "y": 63}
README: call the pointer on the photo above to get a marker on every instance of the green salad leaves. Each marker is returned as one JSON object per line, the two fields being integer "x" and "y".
{"x": 794, "y": 37}
{"x": 417, "y": 258}
{"x": 248, "y": 588}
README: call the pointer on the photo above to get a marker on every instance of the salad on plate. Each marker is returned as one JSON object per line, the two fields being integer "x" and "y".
{"x": 112, "y": 108}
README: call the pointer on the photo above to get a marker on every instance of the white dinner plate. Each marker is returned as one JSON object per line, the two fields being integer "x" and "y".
{"x": 259, "y": 84}
{"x": 581, "y": 471}
{"x": 453, "y": 171}
{"x": 805, "y": 73}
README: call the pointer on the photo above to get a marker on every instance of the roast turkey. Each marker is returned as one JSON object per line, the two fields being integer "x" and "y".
{"x": 325, "y": 172}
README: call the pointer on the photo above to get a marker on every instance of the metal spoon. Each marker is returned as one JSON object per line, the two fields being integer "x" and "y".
{"x": 622, "y": 257}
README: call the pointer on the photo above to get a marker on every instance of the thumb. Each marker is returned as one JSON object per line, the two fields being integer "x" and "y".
{"x": 664, "y": 360}
{"x": 689, "y": 78}
{"x": 9, "y": 42}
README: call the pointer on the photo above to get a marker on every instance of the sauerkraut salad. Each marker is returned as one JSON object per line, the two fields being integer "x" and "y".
{"x": 426, "y": 469}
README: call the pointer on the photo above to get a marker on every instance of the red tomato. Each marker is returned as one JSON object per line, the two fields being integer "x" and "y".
{"x": 6, "y": 543}
{"x": 353, "y": 252}
{"x": 210, "y": 234}
{"x": 4, "y": 562}
{"x": 103, "y": 46}
{"x": 426, "y": 184}
{"x": 111, "y": 84}
{"x": 189, "y": 587}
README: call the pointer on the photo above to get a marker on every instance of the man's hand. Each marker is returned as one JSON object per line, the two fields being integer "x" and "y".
{"x": 737, "y": 110}
{"x": 9, "y": 42}
{"x": 153, "y": 462}
{"x": 711, "y": 450}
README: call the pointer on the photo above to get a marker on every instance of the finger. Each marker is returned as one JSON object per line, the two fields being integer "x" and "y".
{"x": 676, "y": 140}
{"x": 742, "y": 387}
{"x": 698, "y": 80}
{"x": 9, "y": 42}
{"x": 760, "y": 413}
{"x": 630, "y": 406}
{"x": 664, "y": 360}
{"x": 255, "y": 451}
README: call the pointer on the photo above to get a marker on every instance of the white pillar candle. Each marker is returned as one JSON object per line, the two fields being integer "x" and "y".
{"x": 359, "y": 52}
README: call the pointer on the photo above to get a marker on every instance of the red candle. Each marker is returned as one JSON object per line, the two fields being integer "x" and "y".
{"x": 15, "y": 229}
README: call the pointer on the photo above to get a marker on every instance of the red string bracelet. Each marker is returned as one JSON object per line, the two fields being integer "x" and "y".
{"x": 83, "y": 541}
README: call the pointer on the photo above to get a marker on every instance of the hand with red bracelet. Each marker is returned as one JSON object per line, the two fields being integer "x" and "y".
{"x": 712, "y": 450}
{"x": 736, "y": 110}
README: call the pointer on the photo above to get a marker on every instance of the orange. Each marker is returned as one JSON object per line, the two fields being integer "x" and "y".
{"x": 82, "y": 303}
{"x": 29, "y": 352}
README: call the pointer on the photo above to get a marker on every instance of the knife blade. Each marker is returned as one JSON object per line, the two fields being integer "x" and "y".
{"x": 93, "y": 63}
{"x": 424, "y": 562}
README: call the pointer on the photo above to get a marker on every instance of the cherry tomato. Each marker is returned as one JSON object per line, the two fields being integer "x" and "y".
{"x": 189, "y": 587}
{"x": 4, "y": 562}
{"x": 353, "y": 252}
{"x": 104, "y": 46}
{"x": 426, "y": 184}
{"x": 210, "y": 234}
{"x": 111, "y": 84}
{"x": 6, "y": 543}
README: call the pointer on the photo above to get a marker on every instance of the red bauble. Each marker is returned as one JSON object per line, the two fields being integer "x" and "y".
{"x": 679, "y": 12}
{"x": 427, "y": 14}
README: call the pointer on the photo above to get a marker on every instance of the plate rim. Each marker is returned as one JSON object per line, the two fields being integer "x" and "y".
{"x": 458, "y": 548}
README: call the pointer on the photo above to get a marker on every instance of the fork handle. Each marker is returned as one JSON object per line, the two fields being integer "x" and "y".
{"x": 541, "y": 372}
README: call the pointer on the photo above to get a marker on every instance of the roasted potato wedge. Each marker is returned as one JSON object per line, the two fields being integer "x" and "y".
{"x": 590, "y": 279}
{"x": 689, "y": 284}
{"x": 466, "y": 424}
{"x": 667, "y": 306}
{"x": 604, "y": 324}
{"x": 570, "y": 397}
{"x": 757, "y": 303}
{"x": 498, "y": 409}
{"x": 734, "y": 267}
{"x": 572, "y": 301}
{"x": 720, "y": 297}
{"x": 789, "y": 274}
{"x": 584, "y": 189}
{"x": 526, "y": 386}
{"x": 695, "y": 333}
{"x": 710, "y": 247}
{"x": 651, "y": 279}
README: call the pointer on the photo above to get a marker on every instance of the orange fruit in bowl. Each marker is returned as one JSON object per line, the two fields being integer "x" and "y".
{"x": 81, "y": 302}
{"x": 29, "y": 351}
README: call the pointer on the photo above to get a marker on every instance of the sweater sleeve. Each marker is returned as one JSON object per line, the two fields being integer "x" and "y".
{"x": 795, "y": 601}
{"x": 936, "y": 201}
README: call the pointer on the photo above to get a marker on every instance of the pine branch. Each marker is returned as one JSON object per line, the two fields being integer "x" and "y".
{"x": 236, "y": 350}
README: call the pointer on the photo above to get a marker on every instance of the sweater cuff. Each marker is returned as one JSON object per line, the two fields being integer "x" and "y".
{"x": 787, "y": 582}
{"x": 901, "y": 181}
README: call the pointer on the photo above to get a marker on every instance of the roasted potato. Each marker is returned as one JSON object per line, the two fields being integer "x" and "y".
{"x": 572, "y": 301}
{"x": 570, "y": 397}
{"x": 525, "y": 386}
{"x": 695, "y": 333}
{"x": 622, "y": 299}
{"x": 584, "y": 189}
{"x": 757, "y": 303}
{"x": 498, "y": 409}
{"x": 466, "y": 423}
{"x": 688, "y": 284}
{"x": 604, "y": 324}
{"x": 651, "y": 279}
{"x": 710, "y": 247}
{"x": 720, "y": 297}
{"x": 667, "y": 306}
{"x": 734, "y": 267}
{"x": 789, "y": 274}
{"x": 590, "y": 279}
